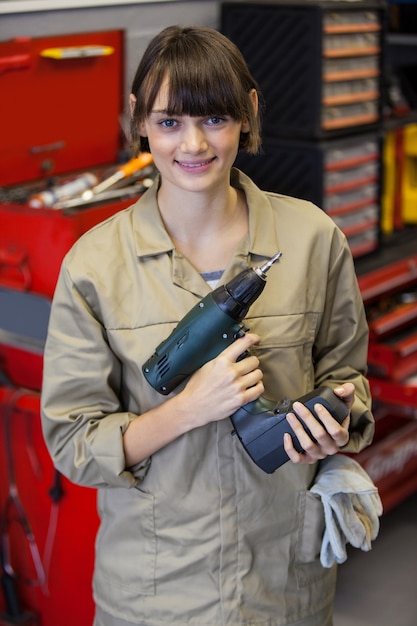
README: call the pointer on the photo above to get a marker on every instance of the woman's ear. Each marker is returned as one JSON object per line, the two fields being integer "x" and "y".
{"x": 253, "y": 94}
{"x": 132, "y": 103}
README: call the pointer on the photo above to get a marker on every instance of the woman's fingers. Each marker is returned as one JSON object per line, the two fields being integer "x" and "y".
{"x": 318, "y": 437}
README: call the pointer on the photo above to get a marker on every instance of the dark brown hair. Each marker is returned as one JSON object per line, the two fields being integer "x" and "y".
{"x": 207, "y": 76}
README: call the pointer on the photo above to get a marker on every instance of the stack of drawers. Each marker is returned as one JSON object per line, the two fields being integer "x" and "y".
{"x": 390, "y": 297}
{"x": 319, "y": 68}
{"x": 350, "y": 68}
{"x": 342, "y": 176}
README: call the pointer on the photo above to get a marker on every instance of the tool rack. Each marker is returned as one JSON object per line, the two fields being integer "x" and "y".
{"x": 47, "y": 523}
{"x": 390, "y": 298}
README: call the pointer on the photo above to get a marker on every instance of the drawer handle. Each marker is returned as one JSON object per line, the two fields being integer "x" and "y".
{"x": 76, "y": 52}
{"x": 15, "y": 62}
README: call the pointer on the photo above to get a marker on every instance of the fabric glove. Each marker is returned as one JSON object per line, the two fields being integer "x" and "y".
{"x": 352, "y": 507}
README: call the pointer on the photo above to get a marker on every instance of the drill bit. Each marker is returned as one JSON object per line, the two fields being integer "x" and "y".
{"x": 265, "y": 267}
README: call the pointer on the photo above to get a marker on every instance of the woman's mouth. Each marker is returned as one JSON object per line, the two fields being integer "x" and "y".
{"x": 195, "y": 165}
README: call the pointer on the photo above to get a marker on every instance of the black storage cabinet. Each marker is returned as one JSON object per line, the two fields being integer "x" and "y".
{"x": 318, "y": 64}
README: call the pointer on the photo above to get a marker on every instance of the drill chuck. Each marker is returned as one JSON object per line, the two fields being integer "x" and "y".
{"x": 236, "y": 296}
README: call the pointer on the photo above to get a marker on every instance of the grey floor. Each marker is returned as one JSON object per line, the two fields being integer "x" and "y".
{"x": 379, "y": 588}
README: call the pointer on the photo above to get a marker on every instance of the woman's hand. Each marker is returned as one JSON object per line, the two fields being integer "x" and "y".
{"x": 330, "y": 436}
{"x": 213, "y": 393}
{"x": 224, "y": 384}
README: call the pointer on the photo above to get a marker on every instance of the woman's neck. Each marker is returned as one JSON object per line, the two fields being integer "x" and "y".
{"x": 206, "y": 229}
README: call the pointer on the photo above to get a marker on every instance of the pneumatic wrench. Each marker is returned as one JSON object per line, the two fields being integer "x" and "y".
{"x": 206, "y": 330}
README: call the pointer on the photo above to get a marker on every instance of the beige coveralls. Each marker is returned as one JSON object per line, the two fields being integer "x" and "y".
{"x": 198, "y": 535}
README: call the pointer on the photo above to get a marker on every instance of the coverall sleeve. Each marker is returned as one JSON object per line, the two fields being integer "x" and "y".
{"x": 82, "y": 418}
{"x": 341, "y": 344}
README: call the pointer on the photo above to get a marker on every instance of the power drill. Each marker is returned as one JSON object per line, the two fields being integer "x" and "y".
{"x": 206, "y": 330}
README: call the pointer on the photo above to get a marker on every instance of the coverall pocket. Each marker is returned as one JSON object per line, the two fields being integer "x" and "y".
{"x": 126, "y": 544}
{"x": 308, "y": 568}
{"x": 311, "y": 528}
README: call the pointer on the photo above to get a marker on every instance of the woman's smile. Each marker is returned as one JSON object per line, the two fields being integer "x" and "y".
{"x": 195, "y": 166}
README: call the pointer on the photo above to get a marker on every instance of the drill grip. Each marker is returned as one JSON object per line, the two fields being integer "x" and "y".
{"x": 261, "y": 425}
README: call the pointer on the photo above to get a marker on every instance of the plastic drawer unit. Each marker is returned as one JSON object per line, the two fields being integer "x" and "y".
{"x": 318, "y": 64}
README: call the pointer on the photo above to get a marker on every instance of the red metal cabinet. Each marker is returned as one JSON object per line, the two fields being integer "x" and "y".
{"x": 391, "y": 460}
{"x": 54, "y": 566}
{"x": 33, "y": 242}
{"x": 390, "y": 297}
{"x": 61, "y": 102}
{"x": 391, "y": 304}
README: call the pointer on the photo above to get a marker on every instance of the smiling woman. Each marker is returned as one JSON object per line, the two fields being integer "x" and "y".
{"x": 191, "y": 530}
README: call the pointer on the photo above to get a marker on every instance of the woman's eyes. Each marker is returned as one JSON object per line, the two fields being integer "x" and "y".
{"x": 168, "y": 123}
{"x": 213, "y": 120}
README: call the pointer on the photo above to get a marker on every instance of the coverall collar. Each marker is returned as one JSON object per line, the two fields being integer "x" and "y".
{"x": 152, "y": 238}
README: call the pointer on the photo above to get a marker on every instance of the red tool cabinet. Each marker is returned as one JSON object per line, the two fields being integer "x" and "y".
{"x": 34, "y": 241}
{"x": 391, "y": 460}
{"x": 390, "y": 297}
{"x": 61, "y": 104}
{"x": 50, "y": 529}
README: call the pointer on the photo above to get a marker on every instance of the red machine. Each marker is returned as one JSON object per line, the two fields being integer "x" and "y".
{"x": 48, "y": 525}
{"x": 390, "y": 297}
{"x": 62, "y": 98}
{"x": 61, "y": 101}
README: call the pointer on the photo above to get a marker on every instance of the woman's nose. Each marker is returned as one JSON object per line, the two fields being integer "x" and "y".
{"x": 193, "y": 139}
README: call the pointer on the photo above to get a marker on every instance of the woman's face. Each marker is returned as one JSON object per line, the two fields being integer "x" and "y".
{"x": 191, "y": 153}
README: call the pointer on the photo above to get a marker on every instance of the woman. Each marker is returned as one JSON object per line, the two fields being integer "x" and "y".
{"x": 192, "y": 531}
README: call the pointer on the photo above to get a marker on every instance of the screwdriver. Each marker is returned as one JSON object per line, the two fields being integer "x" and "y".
{"x": 125, "y": 170}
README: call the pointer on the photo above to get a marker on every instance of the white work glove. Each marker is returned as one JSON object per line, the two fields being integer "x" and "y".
{"x": 352, "y": 507}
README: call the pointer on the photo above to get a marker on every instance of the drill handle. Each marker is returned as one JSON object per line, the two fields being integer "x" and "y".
{"x": 261, "y": 425}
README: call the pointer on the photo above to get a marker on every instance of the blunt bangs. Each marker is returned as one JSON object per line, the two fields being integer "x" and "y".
{"x": 194, "y": 96}
{"x": 198, "y": 84}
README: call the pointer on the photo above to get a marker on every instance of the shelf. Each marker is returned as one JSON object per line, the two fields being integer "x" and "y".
{"x": 337, "y": 53}
{"x": 363, "y": 96}
{"x": 351, "y": 28}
